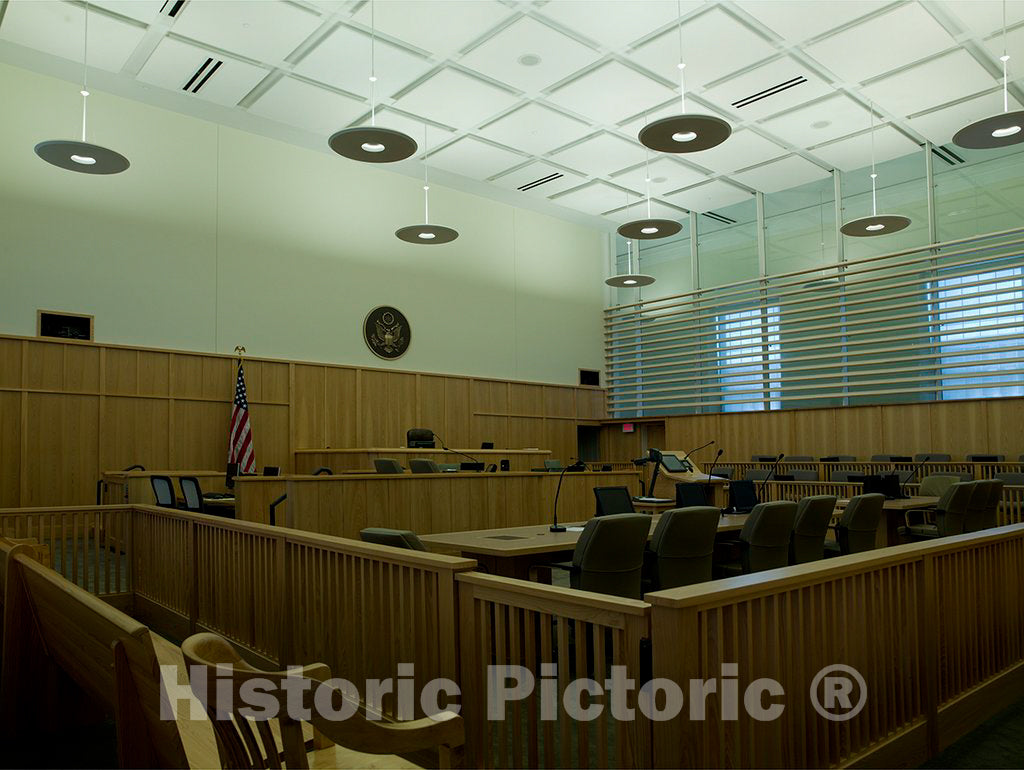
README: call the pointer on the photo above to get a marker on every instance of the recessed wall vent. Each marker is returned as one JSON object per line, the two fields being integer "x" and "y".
{"x": 948, "y": 155}
{"x": 539, "y": 182}
{"x": 171, "y": 8}
{"x": 719, "y": 218}
{"x": 776, "y": 89}
{"x": 201, "y": 75}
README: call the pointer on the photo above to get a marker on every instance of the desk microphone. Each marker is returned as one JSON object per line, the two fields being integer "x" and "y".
{"x": 455, "y": 451}
{"x": 707, "y": 484}
{"x": 686, "y": 457}
{"x": 770, "y": 472}
{"x": 912, "y": 474}
{"x": 578, "y": 465}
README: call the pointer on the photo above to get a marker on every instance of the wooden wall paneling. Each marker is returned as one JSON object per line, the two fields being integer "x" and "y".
{"x": 907, "y": 430}
{"x": 560, "y": 437}
{"x": 617, "y": 446}
{"x": 813, "y": 432}
{"x": 378, "y": 505}
{"x": 495, "y": 513}
{"x": 527, "y": 400}
{"x": 458, "y": 423}
{"x": 467, "y": 503}
{"x": 559, "y": 401}
{"x": 200, "y": 439}
{"x": 431, "y": 409}
{"x": 488, "y": 428}
{"x": 82, "y": 368}
{"x": 308, "y": 406}
{"x": 219, "y": 377}
{"x": 689, "y": 432}
{"x": 490, "y": 397}
{"x": 858, "y": 431}
{"x": 134, "y": 431}
{"x": 270, "y": 434}
{"x": 399, "y": 409}
{"x": 963, "y": 425}
{"x": 122, "y": 372}
{"x": 60, "y": 441}
{"x": 10, "y": 448}
{"x": 10, "y": 363}
{"x": 528, "y": 432}
{"x": 373, "y": 408}
{"x": 341, "y": 408}
{"x": 43, "y": 366}
{"x": 154, "y": 375}
{"x": 187, "y": 376}
{"x": 589, "y": 403}
{"x": 1005, "y": 426}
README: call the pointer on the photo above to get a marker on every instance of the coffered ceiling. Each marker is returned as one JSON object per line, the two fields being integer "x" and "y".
{"x": 540, "y": 102}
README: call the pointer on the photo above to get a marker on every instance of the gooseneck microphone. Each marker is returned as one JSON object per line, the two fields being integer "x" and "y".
{"x": 770, "y": 473}
{"x": 913, "y": 474}
{"x": 702, "y": 446}
{"x": 453, "y": 451}
{"x": 707, "y": 483}
{"x": 578, "y": 465}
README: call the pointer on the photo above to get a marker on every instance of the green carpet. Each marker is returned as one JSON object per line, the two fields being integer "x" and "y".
{"x": 996, "y": 743}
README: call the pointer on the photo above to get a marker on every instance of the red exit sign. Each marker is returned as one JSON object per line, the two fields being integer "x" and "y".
{"x": 628, "y": 427}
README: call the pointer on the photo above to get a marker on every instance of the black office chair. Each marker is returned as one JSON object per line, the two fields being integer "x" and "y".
{"x": 396, "y": 538}
{"x": 757, "y": 474}
{"x": 764, "y": 539}
{"x": 553, "y": 465}
{"x": 419, "y": 465}
{"x": 742, "y": 496}
{"x": 323, "y": 470}
{"x": 801, "y": 474}
{"x": 387, "y": 465}
{"x": 764, "y": 458}
{"x": 933, "y": 457}
{"x": 681, "y": 549}
{"x": 163, "y": 490}
{"x": 612, "y": 500}
{"x": 949, "y": 515}
{"x": 986, "y": 458}
{"x": 419, "y": 438}
{"x": 983, "y": 508}
{"x": 192, "y": 493}
{"x": 813, "y": 515}
{"x": 689, "y": 494}
{"x": 857, "y": 529}
{"x": 722, "y": 471}
{"x": 838, "y": 459}
{"x": 1010, "y": 478}
{"x": 609, "y": 555}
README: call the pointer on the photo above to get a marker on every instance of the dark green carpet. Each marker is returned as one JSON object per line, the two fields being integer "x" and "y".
{"x": 996, "y": 743}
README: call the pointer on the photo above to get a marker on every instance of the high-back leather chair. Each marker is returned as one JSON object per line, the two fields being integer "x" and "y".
{"x": 764, "y": 539}
{"x": 949, "y": 514}
{"x": 1010, "y": 478}
{"x": 982, "y": 510}
{"x": 933, "y": 457}
{"x": 936, "y": 484}
{"x": 802, "y": 474}
{"x": 609, "y": 555}
{"x": 387, "y": 465}
{"x": 163, "y": 490}
{"x": 813, "y": 515}
{"x": 858, "y": 526}
{"x": 419, "y": 465}
{"x": 682, "y": 546}
{"x": 192, "y": 493}
{"x": 397, "y": 538}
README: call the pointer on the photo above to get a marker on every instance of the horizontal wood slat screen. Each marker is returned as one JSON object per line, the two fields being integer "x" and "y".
{"x": 825, "y": 471}
{"x": 943, "y": 322}
{"x": 923, "y": 624}
{"x": 505, "y": 622}
{"x": 71, "y": 410}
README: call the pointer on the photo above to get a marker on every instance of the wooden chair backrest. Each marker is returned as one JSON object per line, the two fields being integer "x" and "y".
{"x": 107, "y": 654}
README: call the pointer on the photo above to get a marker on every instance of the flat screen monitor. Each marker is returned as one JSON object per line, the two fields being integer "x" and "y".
{"x": 673, "y": 464}
{"x": 888, "y": 485}
{"x": 487, "y": 445}
{"x": 471, "y": 466}
{"x": 612, "y": 500}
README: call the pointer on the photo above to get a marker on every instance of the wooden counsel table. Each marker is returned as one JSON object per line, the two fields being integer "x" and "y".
{"x": 343, "y": 504}
{"x": 361, "y": 458}
{"x": 134, "y": 486}
{"x": 512, "y": 551}
{"x": 895, "y": 515}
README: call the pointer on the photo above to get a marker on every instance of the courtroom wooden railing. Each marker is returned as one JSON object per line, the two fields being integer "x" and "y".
{"x": 936, "y": 629}
{"x": 506, "y": 622}
{"x": 824, "y": 470}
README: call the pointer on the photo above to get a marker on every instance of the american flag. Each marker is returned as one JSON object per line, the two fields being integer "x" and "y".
{"x": 240, "y": 448}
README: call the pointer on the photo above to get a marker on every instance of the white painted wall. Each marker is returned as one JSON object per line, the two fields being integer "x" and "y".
{"x": 215, "y": 237}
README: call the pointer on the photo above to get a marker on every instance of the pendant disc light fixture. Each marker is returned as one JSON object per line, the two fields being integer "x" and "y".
{"x": 684, "y": 132}
{"x": 649, "y": 229}
{"x": 630, "y": 279}
{"x": 371, "y": 144}
{"x": 876, "y": 224}
{"x": 999, "y": 130}
{"x": 426, "y": 234}
{"x": 82, "y": 156}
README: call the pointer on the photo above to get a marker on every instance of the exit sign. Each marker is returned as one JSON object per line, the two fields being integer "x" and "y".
{"x": 628, "y": 427}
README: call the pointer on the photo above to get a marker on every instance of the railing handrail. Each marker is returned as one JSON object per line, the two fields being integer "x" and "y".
{"x": 555, "y": 598}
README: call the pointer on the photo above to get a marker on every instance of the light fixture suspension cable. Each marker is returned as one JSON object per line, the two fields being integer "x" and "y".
{"x": 85, "y": 72}
{"x": 373, "y": 69}
{"x": 1004, "y": 59}
{"x": 874, "y": 202}
{"x": 681, "y": 66}
{"x": 426, "y": 181}
{"x": 647, "y": 179}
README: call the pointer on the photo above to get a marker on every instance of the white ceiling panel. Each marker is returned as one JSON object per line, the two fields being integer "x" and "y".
{"x": 1014, "y": 47}
{"x": 174, "y": 62}
{"x": 594, "y": 198}
{"x": 59, "y": 29}
{"x": 633, "y": 125}
{"x": 610, "y": 93}
{"x": 780, "y": 174}
{"x": 709, "y": 196}
{"x": 142, "y": 10}
{"x": 798, "y": 20}
{"x": 440, "y": 27}
{"x": 615, "y": 23}
{"x": 666, "y": 174}
{"x": 535, "y": 129}
{"x": 744, "y": 148}
{"x": 824, "y": 120}
{"x": 558, "y": 179}
{"x": 267, "y": 31}
{"x": 984, "y": 16}
{"x": 894, "y": 39}
{"x": 474, "y": 158}
{"x": 301, "y": 104}
{"x": 775, "y": 87}
{"x": 342, "y": 60}
{"x": 601, "y": 154}
{"x": 412, "y": 125}
{"x": 638, "y": 210}
{"x": 714, "y": 45}
{"x": 456, "y": 99}
{"x": 529, "y": 56}
{"x": 913, "y": 90}
{"x": 938, "y": 126}
{"x": 854, "y": 152}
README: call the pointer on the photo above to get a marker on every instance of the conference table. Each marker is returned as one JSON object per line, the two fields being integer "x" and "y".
{"x": 895, "y": 514}
{"x": 513, "y": 551}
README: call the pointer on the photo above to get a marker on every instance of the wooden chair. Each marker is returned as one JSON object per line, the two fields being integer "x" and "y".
{"x": 240, "y": 746}
{"x": 62, "y": 643}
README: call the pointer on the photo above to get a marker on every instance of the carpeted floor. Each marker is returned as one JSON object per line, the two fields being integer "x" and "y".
{"x": 997, "y": 743}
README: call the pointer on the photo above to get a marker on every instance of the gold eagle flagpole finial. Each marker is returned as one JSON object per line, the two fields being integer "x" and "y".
{"x": 239, "y": 351}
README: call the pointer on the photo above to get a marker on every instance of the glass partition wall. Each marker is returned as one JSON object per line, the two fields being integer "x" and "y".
{"x": 803, "y": 316}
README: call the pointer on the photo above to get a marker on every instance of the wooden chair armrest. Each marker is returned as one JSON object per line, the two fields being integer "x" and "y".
{"x": 566, "y": 565}
{"x": 372, "y": 737}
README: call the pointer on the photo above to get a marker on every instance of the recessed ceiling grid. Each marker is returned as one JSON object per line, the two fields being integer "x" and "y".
{"x": 547, "y": 98}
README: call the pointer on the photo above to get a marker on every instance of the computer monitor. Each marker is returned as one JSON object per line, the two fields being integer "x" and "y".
{"x": 471, "y": 466}
{"x": 271, "y": 470}
{"x": 612, "y": 500}
{"x": 783, "y": 477}
{"x": 742, "y": 496}
{"x": 888, "y": 485}
{"x": 673, "y": 464}
{"x": 689, "y": 494}
{"x": 487, "y": 445}
{"x": 901, "y": 459}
